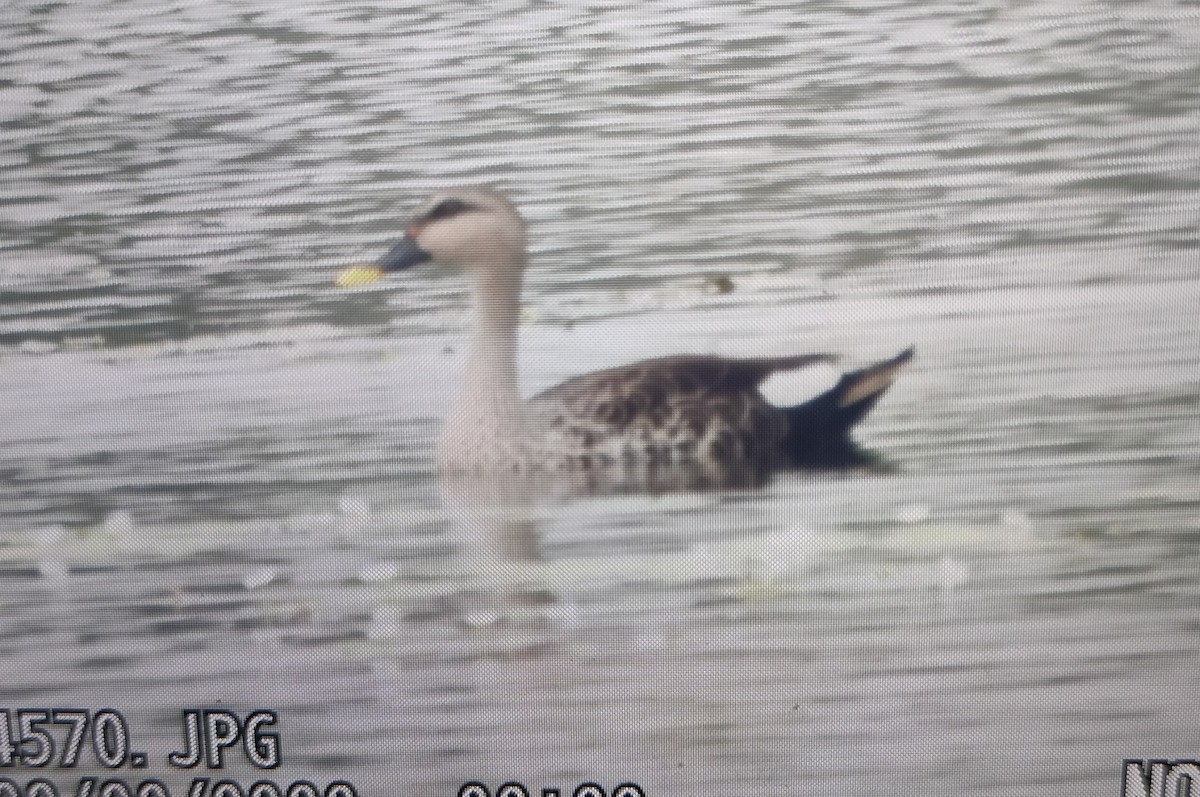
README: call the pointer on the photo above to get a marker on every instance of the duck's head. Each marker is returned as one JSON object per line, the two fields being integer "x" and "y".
{"x": 468, "y": 228}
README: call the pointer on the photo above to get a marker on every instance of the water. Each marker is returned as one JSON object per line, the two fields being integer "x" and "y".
{"x": 216, "y": 479}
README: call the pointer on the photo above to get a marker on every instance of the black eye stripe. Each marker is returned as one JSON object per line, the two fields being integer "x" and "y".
{"x": 446, "y": 208}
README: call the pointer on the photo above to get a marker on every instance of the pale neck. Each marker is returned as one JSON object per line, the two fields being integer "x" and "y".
{"x": 496, "y": 307}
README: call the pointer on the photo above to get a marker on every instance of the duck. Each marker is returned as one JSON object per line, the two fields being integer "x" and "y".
{"x": 679, "y": 422}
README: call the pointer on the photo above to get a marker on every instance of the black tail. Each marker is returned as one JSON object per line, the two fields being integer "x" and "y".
{"x": 819, "y": 430}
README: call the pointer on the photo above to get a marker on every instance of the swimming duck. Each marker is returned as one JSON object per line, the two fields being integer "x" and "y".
{"x": 685, "y": 421}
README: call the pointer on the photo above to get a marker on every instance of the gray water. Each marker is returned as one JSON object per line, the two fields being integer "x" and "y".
{"x": 216, "y": 476}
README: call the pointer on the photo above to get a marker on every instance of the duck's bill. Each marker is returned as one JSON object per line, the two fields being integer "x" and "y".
{"x": 358, "y": 275}
{"x": 403, "y": 255}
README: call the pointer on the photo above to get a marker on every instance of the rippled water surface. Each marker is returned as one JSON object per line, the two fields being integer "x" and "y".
{"x": 216, "y": 475}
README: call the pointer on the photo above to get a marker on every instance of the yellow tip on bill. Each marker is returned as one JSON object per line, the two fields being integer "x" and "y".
{"x": 358, "y": 275}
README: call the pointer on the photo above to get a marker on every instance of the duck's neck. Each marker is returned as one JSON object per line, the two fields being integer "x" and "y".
{"x": 491, "y": 364}
{"x": 483, "y": 426}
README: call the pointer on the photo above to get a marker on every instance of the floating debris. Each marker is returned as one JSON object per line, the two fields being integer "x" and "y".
{"x": 120, "y": 524}
{"x": 37, "y": 347}
{"x": 261, "y": 577}
{"x": 912, "y": 513}
{"x": 51, "y": 535}
{"x": 351, "y": 504}
{"x": 718, "y": 284}
{"x": 54, "y": 570}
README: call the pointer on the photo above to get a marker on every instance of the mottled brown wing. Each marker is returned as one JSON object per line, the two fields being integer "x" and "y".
{"x": 673, "y": 409}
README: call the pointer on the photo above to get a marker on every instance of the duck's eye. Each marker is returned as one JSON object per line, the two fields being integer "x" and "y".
{"x": 446, "y": 208}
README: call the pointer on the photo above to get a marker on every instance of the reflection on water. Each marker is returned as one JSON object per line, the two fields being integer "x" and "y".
{"x": 763, "y": 648}
{"x": 216, "y": 480}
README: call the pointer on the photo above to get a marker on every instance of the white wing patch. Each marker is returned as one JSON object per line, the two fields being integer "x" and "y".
{"x": 789, "y": 388}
